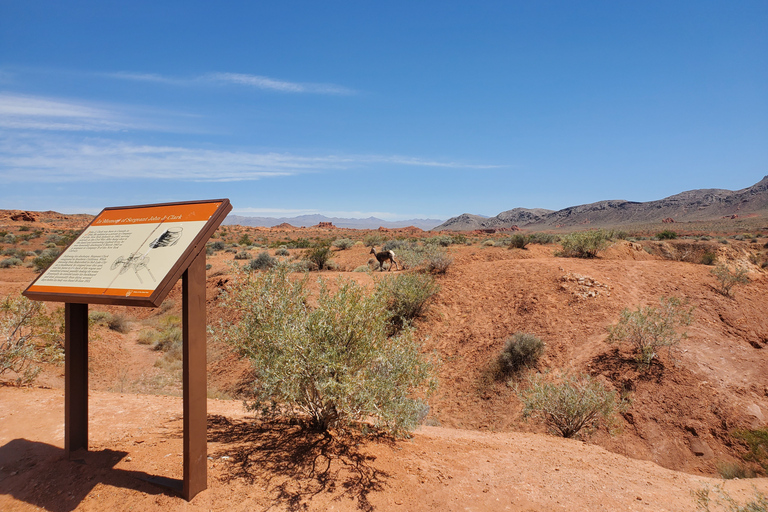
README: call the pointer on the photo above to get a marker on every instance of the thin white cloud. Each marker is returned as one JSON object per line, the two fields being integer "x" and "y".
{"x": 59, "y": 159}
{"x": 255, "y": 81}
{"x": 20, "y": 112}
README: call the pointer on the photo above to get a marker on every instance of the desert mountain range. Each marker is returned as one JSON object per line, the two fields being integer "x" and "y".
{"x": 314, "y": 220}
{"x": 693, "y": 205}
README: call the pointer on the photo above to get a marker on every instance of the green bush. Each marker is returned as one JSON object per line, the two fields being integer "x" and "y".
{"x": 709, "y": 258}
{"x": 282, "y": 251}
{"x": 114, "y": 322}
{"x": 171, "y": 336}
{"x": 28, "y": 337}
{"x": 46, "y": 258}
{"x": 262, "y": 261}
{"x": 757, "y": 442}
{"x": 407, "y": 295}
{"x": 728, "y": 278}
{"x": 585, "y": 244}
{"x": 650, "y": 328}
{"x": 441, "y": 240}
{"x": 333, "y": 363}
{"x": 518, "y": 242}
{"x": 666, "y": 235}
{"x": 521, "y": 350}
{"x": 569, "y": 404}
{"x": 542, "y": 238}
{"x": 245, "y": 240}
{"x": 343, "y": 243}
{"x": 319, "y": 255}
{"x": 10, "y": 262}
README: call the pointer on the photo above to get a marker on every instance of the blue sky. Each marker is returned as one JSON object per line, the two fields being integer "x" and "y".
{"x": 393, "y": 109}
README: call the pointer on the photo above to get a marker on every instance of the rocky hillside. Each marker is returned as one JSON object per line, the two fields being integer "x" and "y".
{"x": 692, "y": 205}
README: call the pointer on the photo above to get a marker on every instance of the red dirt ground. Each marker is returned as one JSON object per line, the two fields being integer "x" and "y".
{"x": 478, "y": 453}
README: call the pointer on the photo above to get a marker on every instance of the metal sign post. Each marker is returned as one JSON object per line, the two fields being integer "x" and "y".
{"x": 133, "y": 256}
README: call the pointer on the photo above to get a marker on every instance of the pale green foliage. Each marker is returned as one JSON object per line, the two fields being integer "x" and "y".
{"x": 343, "y": 243}
{"x": 28, "y": 336}
{"x": 333, "y": 362}
{"x": 585, "y": 244}
{"x": 521, "y": 350}
{"x": 723, "y": 501}
{"x": 569, "y": 404}
{"x": 407, "y": 295}
{"x": 728, "y": 278}
{"x": 427, "y": 258}
{"x": 649, "y": 328}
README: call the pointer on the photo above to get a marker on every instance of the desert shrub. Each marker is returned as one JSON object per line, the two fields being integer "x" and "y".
{"x": 362, "y": 268}
{"x": 727, "y": 278}
{"x": 245, "y": 240}
{"x": 242, "y": 255}
{"x": 28, "y": 337}
{"x": 407, "y": 295}
{"x": 521, "y": 350}
{"x": 459, "y": 239}
{"x": 666, "y": 235}
{"x": 10, "y": 262}
{"x": 731, "y": 470}
{"x": 373, "y": 240}
{"x": 332, "y": 363}
{"x": 441, "y": 240}
{"x": 319, "y": 255}
{"x": 488, "y": 243}
{"x": 437, "y": 260}
{"x": 114, "y": 322}
{"x": 757, "y": 442}
{"x": 146, "y": 337}
{"x": 518, "y": 242}
{"x": 569, "y": 404}
{"x": 708, "y": 258}
{"x": 723, "y": 501}
{"x": 542, "y": 238}
{"x": 9, "y": 238}
{"x": 396, "y": 245}
{"x": 426, "y": 258}
{"x": 170, "y": 338}
{"x": 649, "y": 328}
{"x": 616, "y": 234}
{"x": 282, "y": 251}
{"x": 343, "y": 243}
{"x": 585, "y": 244}
{"x": 262, "y": 261}
{"x": 216, "y": 246}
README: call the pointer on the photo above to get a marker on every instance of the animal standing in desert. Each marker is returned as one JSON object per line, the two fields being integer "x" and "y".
{"x": 383, "y": 256}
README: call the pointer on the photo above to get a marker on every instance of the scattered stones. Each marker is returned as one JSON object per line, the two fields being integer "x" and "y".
{"x": 583, "y": 286}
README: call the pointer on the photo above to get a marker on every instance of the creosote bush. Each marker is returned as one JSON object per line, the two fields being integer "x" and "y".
{"x": 407, "y": 295}
{"x": 728, "y": 278}
{"x": 262, "y": 261}
{"x": 332, "y": 363}
{"x": 569, "y": 403}
{"x": 518, "y": 242}
{"x": 28, "y": 336}
{"x": 319, "y": 255}
{"x": 585, "y": 244}
{"x": 666, "y": 235}
{"x": 649, "y": 328}
{"x": 521, "y": 350}
{"x": 343, "y": 244}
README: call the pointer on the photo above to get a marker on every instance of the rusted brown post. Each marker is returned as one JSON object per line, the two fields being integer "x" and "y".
{"x": 194, "y": 377}
{"x": 75, "y": 377}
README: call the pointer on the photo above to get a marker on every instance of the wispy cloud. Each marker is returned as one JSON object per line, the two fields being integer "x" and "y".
{"x": 255, "y": 81}
{"x": 36, "y": 113}
{"x": 50, "y": 159}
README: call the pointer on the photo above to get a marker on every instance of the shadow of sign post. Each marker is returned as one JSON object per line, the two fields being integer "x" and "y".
{"x": 133, "y": 256}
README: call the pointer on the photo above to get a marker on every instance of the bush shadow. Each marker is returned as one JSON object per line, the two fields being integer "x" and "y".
{"x": 295, "y": 463}
{"x": 624, "y": 370}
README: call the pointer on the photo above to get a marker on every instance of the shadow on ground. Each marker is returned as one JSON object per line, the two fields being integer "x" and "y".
{"x": 295, "y": 464}
{"x": 42, "y": 475}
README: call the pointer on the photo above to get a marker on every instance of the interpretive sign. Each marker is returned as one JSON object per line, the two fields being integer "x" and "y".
{"x": 131, "y": 255}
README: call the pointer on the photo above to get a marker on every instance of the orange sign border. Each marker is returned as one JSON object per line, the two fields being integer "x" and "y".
{"x": 212, "y": 211}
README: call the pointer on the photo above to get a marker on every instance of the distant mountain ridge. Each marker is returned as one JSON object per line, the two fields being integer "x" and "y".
{"x": 313, "y": 220}
{"x": 700, "y": 204}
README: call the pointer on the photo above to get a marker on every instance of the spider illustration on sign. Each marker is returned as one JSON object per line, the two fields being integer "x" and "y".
{"x": 135, "y": 261}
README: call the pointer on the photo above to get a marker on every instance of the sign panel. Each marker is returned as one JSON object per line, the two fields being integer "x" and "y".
{"x": 130, "y": 255}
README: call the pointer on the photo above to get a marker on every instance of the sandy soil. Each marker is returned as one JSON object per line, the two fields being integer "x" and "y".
{"x": 477, "y": 454}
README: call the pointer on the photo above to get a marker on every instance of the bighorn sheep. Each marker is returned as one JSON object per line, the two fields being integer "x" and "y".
{"x": 383, "y": 256}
